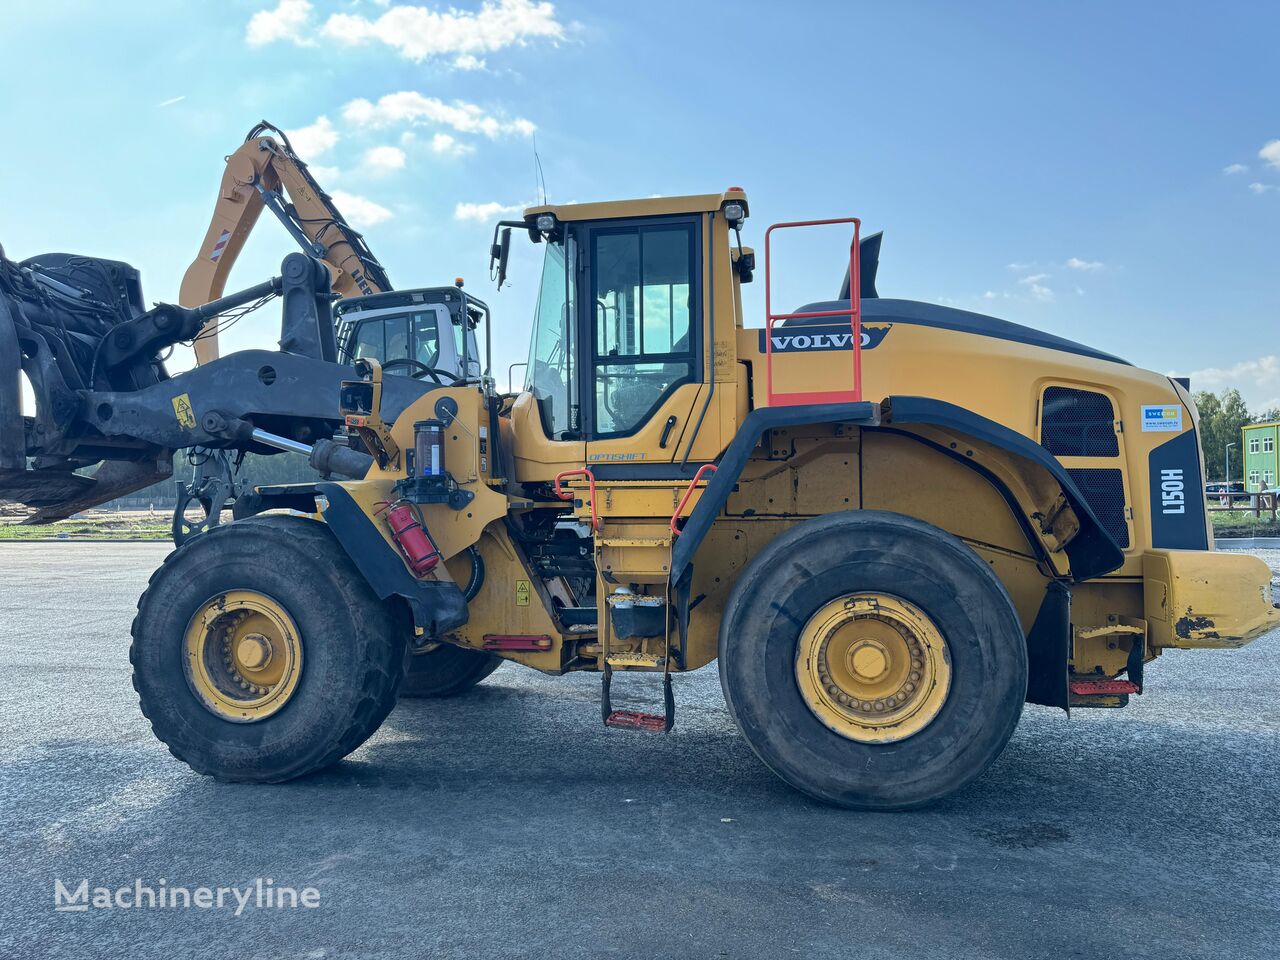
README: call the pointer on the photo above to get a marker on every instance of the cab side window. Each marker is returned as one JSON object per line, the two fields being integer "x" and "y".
{"x": 403, "y": 337}
{"x": 646, "y": 321}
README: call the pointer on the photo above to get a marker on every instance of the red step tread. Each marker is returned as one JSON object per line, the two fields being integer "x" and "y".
{"x": 635, "y": 720}
{"x": 1084, "y": 688}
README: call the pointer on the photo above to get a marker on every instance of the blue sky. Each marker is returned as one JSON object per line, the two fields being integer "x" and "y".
{"x": 1103, "y": 171}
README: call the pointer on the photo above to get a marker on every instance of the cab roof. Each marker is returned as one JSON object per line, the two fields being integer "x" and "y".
{"x": 647, "y": 207}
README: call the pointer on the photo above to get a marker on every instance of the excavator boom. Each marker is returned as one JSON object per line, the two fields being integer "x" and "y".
{"x": 266, "y": 172}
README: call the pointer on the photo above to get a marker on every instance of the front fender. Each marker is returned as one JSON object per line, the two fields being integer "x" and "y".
{"x": 438, "y": 605}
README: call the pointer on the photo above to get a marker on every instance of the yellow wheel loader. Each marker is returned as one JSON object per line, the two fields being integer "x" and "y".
{"x": 892, "y": 523}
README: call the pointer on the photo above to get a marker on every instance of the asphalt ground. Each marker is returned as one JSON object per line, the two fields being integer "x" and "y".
{"x": 508, "y": 822}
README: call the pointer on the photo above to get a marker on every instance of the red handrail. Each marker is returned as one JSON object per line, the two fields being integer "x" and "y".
{"x": 591, "y": 486}
{"x": 854, "y": 313}
{"x": 693, "y": 484}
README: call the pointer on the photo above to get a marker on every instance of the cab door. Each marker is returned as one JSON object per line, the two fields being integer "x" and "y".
{"x": 642, "y": 356}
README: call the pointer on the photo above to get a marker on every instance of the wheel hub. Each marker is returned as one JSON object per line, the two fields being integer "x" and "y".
{"x": 873, "y": 667}
{"x": 254, "y": 652}
{"x": 242, "y": 656}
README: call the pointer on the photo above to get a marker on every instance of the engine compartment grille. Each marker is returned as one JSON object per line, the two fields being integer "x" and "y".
{"x": 1103, "y": 490}
{"x": 1078, "y": 423}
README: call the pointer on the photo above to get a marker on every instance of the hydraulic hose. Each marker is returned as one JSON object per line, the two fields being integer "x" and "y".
{"x": 477, "y": 575}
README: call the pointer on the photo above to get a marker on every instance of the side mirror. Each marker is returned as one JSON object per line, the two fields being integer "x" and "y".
{"x": 499, "y": 251}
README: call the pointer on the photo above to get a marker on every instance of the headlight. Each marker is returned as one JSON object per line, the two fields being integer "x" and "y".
{"x": 546, "y": 222}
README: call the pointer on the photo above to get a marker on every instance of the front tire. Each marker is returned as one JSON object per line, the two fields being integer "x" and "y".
{"x": 872, "y": 660}
{"x": 261, "y": 654}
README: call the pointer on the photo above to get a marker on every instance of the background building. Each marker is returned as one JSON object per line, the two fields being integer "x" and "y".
{"x": 1259, "y": 441}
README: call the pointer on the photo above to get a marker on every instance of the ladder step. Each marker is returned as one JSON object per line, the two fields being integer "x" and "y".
{"x": 635, "y": 720}
{"x": 1084, "y": 688}
{"x": 646, "y": 660}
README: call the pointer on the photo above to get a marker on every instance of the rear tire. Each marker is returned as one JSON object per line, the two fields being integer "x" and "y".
{"x": 351, "y": 660}
{"x": 793, "y": 582}
{"x": 446, "y": 671}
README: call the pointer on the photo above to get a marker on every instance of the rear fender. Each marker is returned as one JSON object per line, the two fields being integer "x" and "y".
{"x": 1060, "y": 525}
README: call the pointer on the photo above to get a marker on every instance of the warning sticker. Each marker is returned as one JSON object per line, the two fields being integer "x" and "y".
{"x": 219, "y": 245}
{"x": 182, "y": 410}
{"x": 1162, "y": 419}
{"x": 522, "y": 593}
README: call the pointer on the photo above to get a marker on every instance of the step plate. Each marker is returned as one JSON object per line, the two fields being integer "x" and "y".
{"x": 634, "y": 720}
{"x": 1084, "y": 688}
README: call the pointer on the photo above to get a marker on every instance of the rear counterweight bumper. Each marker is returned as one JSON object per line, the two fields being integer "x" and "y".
{"x": 1202, "y": 598}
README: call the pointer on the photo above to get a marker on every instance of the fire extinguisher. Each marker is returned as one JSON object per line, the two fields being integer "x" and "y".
{"x": 411, "y": 536}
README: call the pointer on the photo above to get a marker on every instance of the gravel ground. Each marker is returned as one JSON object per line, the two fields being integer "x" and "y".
{"x": 509, "y": 823}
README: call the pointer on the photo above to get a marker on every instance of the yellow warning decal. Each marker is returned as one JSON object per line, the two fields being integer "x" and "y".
{"x": 522, "y": 593}
{"x": 182, "y": 410}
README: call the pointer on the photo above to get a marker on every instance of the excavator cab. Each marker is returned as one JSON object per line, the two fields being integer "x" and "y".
{"x": 428, "y": 334}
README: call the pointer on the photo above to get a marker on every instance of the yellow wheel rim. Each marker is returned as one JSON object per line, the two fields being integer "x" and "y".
{"x": 873, "y": 668}
{"x": 243, "y": 656}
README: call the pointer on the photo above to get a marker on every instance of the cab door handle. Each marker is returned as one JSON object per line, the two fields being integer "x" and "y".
{"x": 666, "y": 433}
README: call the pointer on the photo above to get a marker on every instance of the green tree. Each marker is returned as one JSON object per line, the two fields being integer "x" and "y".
{"x": 1221, "y": 417}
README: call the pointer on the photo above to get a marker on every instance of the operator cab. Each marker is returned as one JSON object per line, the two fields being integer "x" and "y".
{"x": 415, "y": 333}
{"x": 619, "y": 338}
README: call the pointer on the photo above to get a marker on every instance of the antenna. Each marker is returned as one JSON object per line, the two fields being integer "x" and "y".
{"x": 541, "y": 181}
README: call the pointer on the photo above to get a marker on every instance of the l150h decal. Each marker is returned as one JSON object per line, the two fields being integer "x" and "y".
{"x": 1177, "y": 495}
{"x": 827, "y": 336}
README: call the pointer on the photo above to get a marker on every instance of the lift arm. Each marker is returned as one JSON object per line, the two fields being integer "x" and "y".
{"x": 262, "y": 173}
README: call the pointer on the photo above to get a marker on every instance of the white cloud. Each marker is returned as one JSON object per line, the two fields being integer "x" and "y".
{"x": 171, "y": 101}
{"x": 1075, "y": 263}
{"x": 989, "y": 295}
{"x": 483, "y": 211}
{"x": 442, "y": 143}
{"x": 420, "y": 33}
{"x": 313, "y": 140}
{"x": 1233, "y": 168}
{"x": 286, "y": 22}
{"x": 1257, "y": 380}
{"x": 324, "y": 175}
{"x": 360, "y": 211}
{"x": 384, "y": 159}
{"x": 1035, "y": 285}
{"x": 1270, "y": 152}
{"x": 1261, "y": 187}
{"x": 409, "y": 106}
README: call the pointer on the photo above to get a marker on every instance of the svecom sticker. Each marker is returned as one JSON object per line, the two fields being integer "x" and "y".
{"x": 1162, "y": 419}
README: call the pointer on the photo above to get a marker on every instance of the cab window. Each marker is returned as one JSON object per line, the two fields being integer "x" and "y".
{"x": 645, "y": 321}
{"x": 403, "y": 337}
{"x": 552, "y": 375}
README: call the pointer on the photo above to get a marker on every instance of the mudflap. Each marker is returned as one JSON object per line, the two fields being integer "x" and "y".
{"x": 1049, "y": 649}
